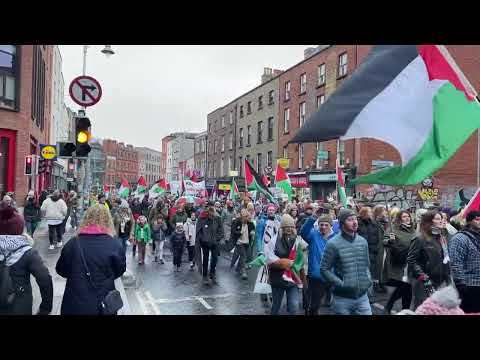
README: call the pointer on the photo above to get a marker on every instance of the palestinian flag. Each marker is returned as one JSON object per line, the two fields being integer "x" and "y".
{"x": 141, "y": 187}
{"x": 234, "y": 193}
{"x": 473, "y": 204}
{"x": 106, "y": 190}
{"x": 293, "y": 274}
{"x": 157, "y": 189}
{"x": 282, "y": 181}
{"x": 254, "y": 182}
{"x": 342, "y": 196}
{"x": 413, "y": 97}
{"x": 124, "y": 190}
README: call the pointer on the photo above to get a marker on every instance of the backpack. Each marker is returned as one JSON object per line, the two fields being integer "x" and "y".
{"x": 7, "y": 290}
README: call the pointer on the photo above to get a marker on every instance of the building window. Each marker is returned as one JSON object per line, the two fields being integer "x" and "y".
{"x": 230, "y": 117}
{"x": 285, "y": 152}
{"x": 271, "y": 97}
{"x": 260, "y": 132}
{"x": 214, "y": 168}
{"x": 38, "y": 87}
{"x": 300, "y": 156}
{"x": 249, "y": 135}
{"x": 287, "y": 90}
{"x": 270, "y": 128}
{"x": 302, "y": 113}
{"x": 222, "y": 164}
{"x": 247, "y": 158}
{"x": 341, "y": 153}
{"x": 223, "y": 121}
{"x": 260, "y": 102}
{"x": 342, "y": 65}
{"x": 321, "y": 75}
{"x": 215, "y": 147}
{"x": 230, "y": 162}
{"x": 286, "y": 121}
{"x": 223, "y": 143}
{"x": 240, "y": 141}
{"x": 240, "y": 166}
{"x": 303, "y": 83}
{"x": 249, "y": 107}
{"x": 269, "y": 158}
{"x": 231, "y": 141}
{"x": 8, "y": 76}
{"x": 319, "y": 147}
{"x": 241, "y": 111}
{"x": 259, "y": 163}
{"x": 320, "y": 100}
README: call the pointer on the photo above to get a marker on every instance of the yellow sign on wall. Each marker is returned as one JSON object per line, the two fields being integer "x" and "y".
{"x": 224, "y": 187}
{"x": 48, "y": 152}
{"x": 284, "y": 163}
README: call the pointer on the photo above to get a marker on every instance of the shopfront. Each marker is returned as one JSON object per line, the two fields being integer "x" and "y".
{"x": 7, "y": 160}
{"x": 323, "y": 185}
{"x": 299, "y": 181}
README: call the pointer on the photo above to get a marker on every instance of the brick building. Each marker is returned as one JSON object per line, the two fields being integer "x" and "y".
{"x": 306, "y": 85}
{"x": 25, "y": 113}
{"x": 163, "y": 161}
{"x": 123, "y": 158}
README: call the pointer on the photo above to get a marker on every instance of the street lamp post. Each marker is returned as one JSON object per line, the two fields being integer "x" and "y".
{"x": 84, "y": 180}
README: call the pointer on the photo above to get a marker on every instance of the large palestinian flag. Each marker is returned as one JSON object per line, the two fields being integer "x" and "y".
{"x": 413, "y": 97}
{"x": 282, "y": 181}
{"x": 158, "y": 188}
{"x": 253, "y": 182}
{"x": 124, "y": 189}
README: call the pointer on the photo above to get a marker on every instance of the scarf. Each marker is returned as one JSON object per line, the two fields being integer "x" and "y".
{"x": 271, "y": 231}
{"x": 443, "y": 242}
{"x": 12, "y": 247}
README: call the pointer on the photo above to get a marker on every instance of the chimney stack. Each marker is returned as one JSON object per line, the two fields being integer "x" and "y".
{"x": 269, "y": 74}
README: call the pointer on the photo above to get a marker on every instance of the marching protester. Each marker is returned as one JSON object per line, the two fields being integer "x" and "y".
{"x": 228, "y": 215}
{"x": 190, "y": 228}
{"x": 102, "y": 200}
{"x": 18, "y": 262}
{"x": 209, "y": 233}
{"x": 142, "y": 237}
{"x": 31, "y": 213}
{"x": 55, "y": 211}
{"x": 159, "y": 235}
{"x": 428, "y": 258}
{"x": 124, "y": 225}
{"x": 72, "y": 205}
{"x": 345, "y": 266}
{"x": 178, "y": 241}
{"x": 179, "y": 217}
{"x": 318, "y": 288}
{"x": 464, "y": 251}
{"x": 91, "y": 261}
{"x": 243, "y": 235}
{"x": 396, "y": 261}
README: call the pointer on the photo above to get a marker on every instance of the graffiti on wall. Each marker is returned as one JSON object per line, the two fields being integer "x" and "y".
{"x": 394, "y": 197}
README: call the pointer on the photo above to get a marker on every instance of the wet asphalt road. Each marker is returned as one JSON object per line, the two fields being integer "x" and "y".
{"x": 161, "y": 291}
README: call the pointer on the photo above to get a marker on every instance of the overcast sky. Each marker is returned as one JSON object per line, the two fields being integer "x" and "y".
{"x": 151, "y": 91}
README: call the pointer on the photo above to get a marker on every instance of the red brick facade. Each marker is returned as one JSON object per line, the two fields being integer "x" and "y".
{"x": 125, "y": 162}
{"x": 163, "y": 162}
{"x": 460, "y": 171}
{"x": 20, "y": 121}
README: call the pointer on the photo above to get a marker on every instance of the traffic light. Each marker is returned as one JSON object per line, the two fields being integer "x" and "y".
{"x": 66, "y": 149}
{"x": 71, "y": 165}
{"x": 82, "y": 136}
{"x": 42, "y": 166}
{"x": 28, "y": 165}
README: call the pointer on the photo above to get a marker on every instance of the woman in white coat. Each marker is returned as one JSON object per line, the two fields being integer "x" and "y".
{"x": 189, "y": 229}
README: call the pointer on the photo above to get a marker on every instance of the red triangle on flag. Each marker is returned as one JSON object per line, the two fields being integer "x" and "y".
{"x": 125, "y": 183}
{"x": 473, "y": 204}
{"x": 142, "y": 181}
{"x": 280, "y": 174}
{"x": 248, "y": 174}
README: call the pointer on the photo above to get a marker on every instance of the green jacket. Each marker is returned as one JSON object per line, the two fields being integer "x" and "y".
{"x": 144, "y": 234}
{"x": 396, "y": 254}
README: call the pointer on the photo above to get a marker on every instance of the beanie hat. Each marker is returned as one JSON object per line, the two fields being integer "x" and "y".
{"x": 287, "y": 221}
{"x": 344, "y": 214}
{"x": 443, "y": 302}
{"x": 325, "y": 219}
{"x": 472, "y": 215}
{"x": 11, "y": 222}
{"x": 271, "y": 206}
{"x": 179, "y": 224}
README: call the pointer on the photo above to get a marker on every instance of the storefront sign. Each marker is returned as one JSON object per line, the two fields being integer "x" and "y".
{"x": 380, "y": 164}
{"x": 48, "y": 152}
{"x": 323, "y": 177}
{"x": 224, "y": 187}
{"x": 299, "y": 181}
{"x": 233, "y": 173}
{"x": 284, "y": 163}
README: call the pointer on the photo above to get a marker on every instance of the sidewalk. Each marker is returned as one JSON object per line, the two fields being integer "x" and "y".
{"x": 50, "y": 258}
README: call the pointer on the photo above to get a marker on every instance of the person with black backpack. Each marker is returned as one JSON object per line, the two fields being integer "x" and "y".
{"x": 18, "y": 261}
{"x": 396, "y": 261}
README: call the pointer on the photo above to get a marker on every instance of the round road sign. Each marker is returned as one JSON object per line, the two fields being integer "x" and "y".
{"x": 85, "y": 91}
{"x": 48, "y": 152}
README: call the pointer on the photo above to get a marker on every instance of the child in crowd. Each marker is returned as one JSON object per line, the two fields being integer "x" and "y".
{"x": 178, "y": 246}
{"x": 159, "y": 230}
{"x": 190, "y": 232}
{"x": 143, "y": 237}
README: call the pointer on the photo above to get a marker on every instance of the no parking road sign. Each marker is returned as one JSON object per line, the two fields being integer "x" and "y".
{"x": 85, "y": 91}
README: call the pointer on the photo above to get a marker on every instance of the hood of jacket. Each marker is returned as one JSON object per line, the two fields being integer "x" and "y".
{"x": 13, "y": 247}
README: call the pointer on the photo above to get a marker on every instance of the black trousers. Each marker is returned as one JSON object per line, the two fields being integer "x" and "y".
{"x": 52, "y": 230}
{"x": 177, "y": 254}
{"x": 191, "y": 253}
{"x": 471, "y": 300}
{"x": 207, "y": 250}
{"x": 316, "y": 291}
{"x": 402, "y": 290}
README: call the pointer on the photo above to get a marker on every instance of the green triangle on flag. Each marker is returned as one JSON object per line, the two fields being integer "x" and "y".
{"x": 342, "y": 196}
{"x": 254, "y": 182}
{"x": 234, "y": 193}
{"x": 282, "y": 181}
{"x": 124, "y": 189}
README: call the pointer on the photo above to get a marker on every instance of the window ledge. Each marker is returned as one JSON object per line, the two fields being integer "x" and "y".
{"x": 320, "y": 86}
{"x": 270, "y": 139}
{"x": 286, "y": 132}
{"x": 7, "y": 108}
{"x": 271, "y": 103}
{"x": 302, "y": 93}
{"x": 286, "y": 100}
{"x": 339, "y": 77}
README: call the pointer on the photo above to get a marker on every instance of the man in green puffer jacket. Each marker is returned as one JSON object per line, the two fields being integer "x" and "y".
{"x": 345, "y": 265}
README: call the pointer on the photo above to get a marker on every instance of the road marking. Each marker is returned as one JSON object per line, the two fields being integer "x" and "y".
{"x": 141, "y": 302}
{"x": 204, "y": 303}
{"x": 151, "y": 300}
{"x": 193, "y": 298}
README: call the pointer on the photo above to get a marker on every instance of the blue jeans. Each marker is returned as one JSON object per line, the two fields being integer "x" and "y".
{"x": 31, "y": 226}
{"x": 123, "y": 243}
{"x": 345, "y": 306}
{"x": 292, "y": 299}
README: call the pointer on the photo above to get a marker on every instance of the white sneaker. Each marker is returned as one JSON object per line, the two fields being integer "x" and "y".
{"x": 59, "y": 244}
{"x": 52, "y": 247}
